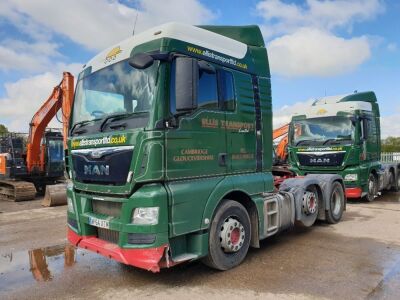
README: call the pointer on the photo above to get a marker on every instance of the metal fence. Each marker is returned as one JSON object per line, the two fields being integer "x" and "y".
{"x": 390, "y": 156}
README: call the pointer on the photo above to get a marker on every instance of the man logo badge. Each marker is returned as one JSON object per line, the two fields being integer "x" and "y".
{"x": 320, "y": 160}
{"x": 98, "y": 170}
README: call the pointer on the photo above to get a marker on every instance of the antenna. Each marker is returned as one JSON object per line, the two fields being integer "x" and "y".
{"x": 134, "y": 25}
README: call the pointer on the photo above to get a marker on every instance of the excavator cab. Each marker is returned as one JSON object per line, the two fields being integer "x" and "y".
{"x": 12, "y": 159}
{"x": 54, "y": 160}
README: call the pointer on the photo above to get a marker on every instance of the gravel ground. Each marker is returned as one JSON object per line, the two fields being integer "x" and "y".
{"x": 356, "y": 259}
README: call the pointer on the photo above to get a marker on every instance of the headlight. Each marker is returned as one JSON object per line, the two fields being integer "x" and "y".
{"x": 70, "y": 205}
{"x": 145, "y": 216}
{"x": 350, "y": 177}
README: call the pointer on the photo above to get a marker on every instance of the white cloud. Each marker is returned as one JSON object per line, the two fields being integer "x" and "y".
{"x": 283, "y": 115}
{"x": 97, "y": 24}
{"x": 390, "y": 125}
{"x": 283, "y": 17}
{"x": 392, "y": 47}
{"x": 31, "y": 57}
{"x": 314, "y": 52}
{"x": 302, "y": 37}
{"x": 25, "y": 96}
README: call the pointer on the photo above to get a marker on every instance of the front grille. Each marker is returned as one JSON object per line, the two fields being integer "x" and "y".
{"x": 107, "y": 208}
{"x": 319, "y": 159}
{"x": 108, "y": 235}
{"x": 109, "y": 165}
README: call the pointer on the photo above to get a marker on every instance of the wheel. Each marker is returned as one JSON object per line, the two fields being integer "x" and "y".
{"x": 336, "y": 207}
{"x": 372, "y": 188}
{"x": 310, "y": 207}
{"x": 229, "y": 236}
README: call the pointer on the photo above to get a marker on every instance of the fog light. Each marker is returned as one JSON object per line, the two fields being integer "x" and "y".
{"x": 350, "y": 177}
{"x": 145, "y": 216}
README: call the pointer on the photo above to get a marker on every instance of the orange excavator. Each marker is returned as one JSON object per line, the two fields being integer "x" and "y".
{"x": 281, "y": 148}
{"x": 28, "y": 165}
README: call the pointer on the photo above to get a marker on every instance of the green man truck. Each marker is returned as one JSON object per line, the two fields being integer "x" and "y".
{"x": 170, "y": 152}
{"x": 341, "y": 135}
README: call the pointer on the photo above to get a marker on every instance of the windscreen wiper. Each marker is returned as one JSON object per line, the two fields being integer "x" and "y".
{"x": 300, "y": 142}
{"x": 118, "y": 116}
{"x": 80, "y": 124}
{"x": 336, "y": 140}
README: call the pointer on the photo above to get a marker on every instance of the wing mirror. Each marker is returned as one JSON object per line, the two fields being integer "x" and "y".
{"x": 141, "y": 61}
{"x": 186, "y": 78}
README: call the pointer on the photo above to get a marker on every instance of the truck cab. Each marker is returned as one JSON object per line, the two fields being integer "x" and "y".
{"x": 170, "y": 151}
{"x": 341, "y": 134}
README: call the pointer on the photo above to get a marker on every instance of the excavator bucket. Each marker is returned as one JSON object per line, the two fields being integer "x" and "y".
{"x": 55, "y": 195}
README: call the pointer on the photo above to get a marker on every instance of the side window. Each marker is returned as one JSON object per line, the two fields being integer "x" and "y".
{"x": 207, "y": 96}
{"x": 211, "y": 93}
{"x": 226, "y": 90}
{"x": 372, "y": 129}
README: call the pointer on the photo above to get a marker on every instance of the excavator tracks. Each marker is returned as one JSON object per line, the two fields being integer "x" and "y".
{"x": 17, "y": 190}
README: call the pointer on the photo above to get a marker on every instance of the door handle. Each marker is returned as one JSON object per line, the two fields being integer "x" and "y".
{"x": 222, "y": 159}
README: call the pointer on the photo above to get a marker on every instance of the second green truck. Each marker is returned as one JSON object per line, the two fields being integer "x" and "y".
{"x": 341, "y": 135}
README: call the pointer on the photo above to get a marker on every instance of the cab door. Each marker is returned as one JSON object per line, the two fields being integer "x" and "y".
{"x": 196, "y": 145}
{"x": 195, "y": 154}
{"x": 242, "y": 142}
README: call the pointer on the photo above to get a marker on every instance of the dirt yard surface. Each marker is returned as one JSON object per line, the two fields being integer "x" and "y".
{"x": 356, "y": 259}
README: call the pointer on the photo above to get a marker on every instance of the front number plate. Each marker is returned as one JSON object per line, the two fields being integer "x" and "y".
{"x": 99, "y": 223}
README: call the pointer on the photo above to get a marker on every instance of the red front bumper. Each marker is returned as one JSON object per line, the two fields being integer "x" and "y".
{"x": 353, "y": 192}
{"x": 148, "y": 258}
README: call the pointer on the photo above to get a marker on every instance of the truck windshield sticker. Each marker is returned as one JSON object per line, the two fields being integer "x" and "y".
{"x": 106, "y": 140}
{"x": 217, "y": 57}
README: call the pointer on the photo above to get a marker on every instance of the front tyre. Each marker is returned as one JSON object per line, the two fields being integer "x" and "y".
{"x": 229, "y": 236}
{"x": 336, "y": 204}
{"x": 372, "y": 188}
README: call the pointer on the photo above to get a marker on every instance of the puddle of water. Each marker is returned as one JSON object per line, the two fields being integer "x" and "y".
{"x": 389, "y": 286}
{"x": 37, "y": 265}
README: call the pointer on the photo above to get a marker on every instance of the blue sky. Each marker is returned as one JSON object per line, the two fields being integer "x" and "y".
{"x": 316, "y": 47}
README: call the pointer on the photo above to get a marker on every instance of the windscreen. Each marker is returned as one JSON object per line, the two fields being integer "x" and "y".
{"x": 116, "y": 89}
{"x": 56, "y": 150}
{"x": 320, "y": 131}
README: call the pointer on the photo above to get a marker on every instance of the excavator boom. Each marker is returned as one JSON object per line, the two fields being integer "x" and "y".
{"x": 61, "y": 97}
{"x": 280, "y": 150}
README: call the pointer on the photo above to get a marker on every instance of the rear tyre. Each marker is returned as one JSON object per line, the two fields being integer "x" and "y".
{"x": 336, "y": 204}
{"x": 372, "y": 188}
{"x": 229, "y": 236}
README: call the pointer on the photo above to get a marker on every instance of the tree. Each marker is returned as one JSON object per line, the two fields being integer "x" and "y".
{"x": 3, "y": 129}
{"x": 391, "y": 144}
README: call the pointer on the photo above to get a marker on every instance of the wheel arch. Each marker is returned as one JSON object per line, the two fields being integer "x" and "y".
{"x": 251, "y": 207}
{"x": 243, "y": 198}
